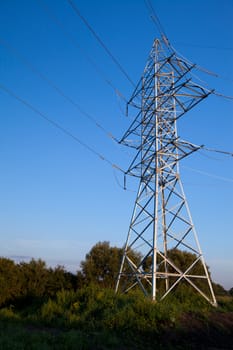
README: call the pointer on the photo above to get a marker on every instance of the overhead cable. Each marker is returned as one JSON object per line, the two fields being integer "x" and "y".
{"x": 161, "y": 30}
{"x": 56, "y": 88}
{"x": 97, "y": 37}
{"x": 204, "y": 70}
{"x": 205, "y": 46}
{"x": 154, "y": 17}
{"x": 74, "y": 41}
{"x": 89, "y": 148}
{"x": 58, "y": 126}
{"x": 214, "y": 92}
{"x": 208, "y": 174}
{"x": 222, "y": 95}
{"x": 157, "y": 22}
{"x": 218, "y": 151}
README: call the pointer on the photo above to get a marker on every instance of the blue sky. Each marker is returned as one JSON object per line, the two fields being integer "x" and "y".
{"x": 57, "y": 198}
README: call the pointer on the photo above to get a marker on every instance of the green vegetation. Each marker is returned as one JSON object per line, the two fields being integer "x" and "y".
{"x": 44, "y": 308}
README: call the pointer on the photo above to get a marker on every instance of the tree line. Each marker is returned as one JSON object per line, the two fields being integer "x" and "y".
{"x": 34, "y": 280}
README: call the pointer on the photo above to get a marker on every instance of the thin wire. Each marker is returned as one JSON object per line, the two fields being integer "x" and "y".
{"x": 218, "y": 151}
{"x": 222, "y": 95}
{"x": 207, "y": 72}
{"x": 120, "y": 185}
{"x": 161, "y": 29}
{"x": 154, "y": 17}
{"x": 117, "y": 181}
{"x": 203, "y": 154}
{"x": 159, "y": 26}
{"x": 76, "y": 139}
{"x": 204, "y": 70}
{"x": 56, "y": 88}
{"x": 216, "y": 93}
{"x": 202, "y": 185}
{"x": 80, "y": 48}
{"x": 58, "y": 126}
{"x": 97, "y": 37}
{"x": 208, "y": 174}
{"x": 117, "y": 91}
{"x": 205, "y": 47}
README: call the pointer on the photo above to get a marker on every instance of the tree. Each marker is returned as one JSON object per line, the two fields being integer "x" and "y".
{"x": 219, "y": 290}
{"x": 10, "y": 281}
{"x": 58, "y": 279}
{"x": 182, "y": 260}
{"x": 34, "y": 280}
{"x": 41, "y": 281}
{"x": 35, "y": 277}
{"x": 102, "y": 264}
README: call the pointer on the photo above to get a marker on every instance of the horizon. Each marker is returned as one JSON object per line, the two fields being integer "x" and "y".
{"x": 73, "y": 266}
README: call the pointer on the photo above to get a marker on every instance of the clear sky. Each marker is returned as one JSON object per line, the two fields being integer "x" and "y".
{"x": 57, "y": 198}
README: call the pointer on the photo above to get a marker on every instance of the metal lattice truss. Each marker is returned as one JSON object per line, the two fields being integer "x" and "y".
{"x": 161, "y": 224}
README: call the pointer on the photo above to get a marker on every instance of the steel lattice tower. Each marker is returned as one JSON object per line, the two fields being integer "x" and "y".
{"x": 161, "y": 222}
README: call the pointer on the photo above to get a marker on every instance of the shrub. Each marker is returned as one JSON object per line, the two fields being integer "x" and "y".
{"x": 10, "y": 281}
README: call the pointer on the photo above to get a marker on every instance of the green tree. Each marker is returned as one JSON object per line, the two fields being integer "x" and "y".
{"x": 182, "y": 260}
{"x": 35, "y": 276}
{"x": 59, "y": 279}
{"x": 41, "y": 281}
{"x": 102, "y": 264}
{"x": 32, "y": 280}
{"x": 10, "y": 281}
{"x": 219, "y": 290}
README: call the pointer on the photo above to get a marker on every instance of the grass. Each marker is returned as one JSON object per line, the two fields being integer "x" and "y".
{"x": 94, "y": 318}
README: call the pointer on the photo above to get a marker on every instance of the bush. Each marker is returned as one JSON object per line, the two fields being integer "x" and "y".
{"x": 25, "y": 282}
{"x": 10, "y": 281}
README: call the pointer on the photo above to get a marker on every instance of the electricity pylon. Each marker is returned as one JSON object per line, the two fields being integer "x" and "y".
{"x": 161, "y": 223}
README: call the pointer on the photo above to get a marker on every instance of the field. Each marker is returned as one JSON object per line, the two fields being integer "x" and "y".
{"x": 95, "y": 318}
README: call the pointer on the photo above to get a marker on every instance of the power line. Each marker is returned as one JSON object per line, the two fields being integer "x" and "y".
{"x": 204, "y": 70}
{"x": 97, "y": 37}
{"x": 211, "y": 157}
{"x": 208, "y": 174}
{"x": 73, "y": 40}
{"x": 70, "y": 100}
{"x": 213, "y": 150}
{"x": 58, "y": 126}
{"x": 227, "y": 97}
{"x": 205, "y": 46}
{"x": 60, "y": 91}
{"x": 56, "y": 88}
{"x": 216, "y": 93}
{"x": 161, "y": 30}
{"x": 154, "y": 17}
{"x": 218, "y": 151}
